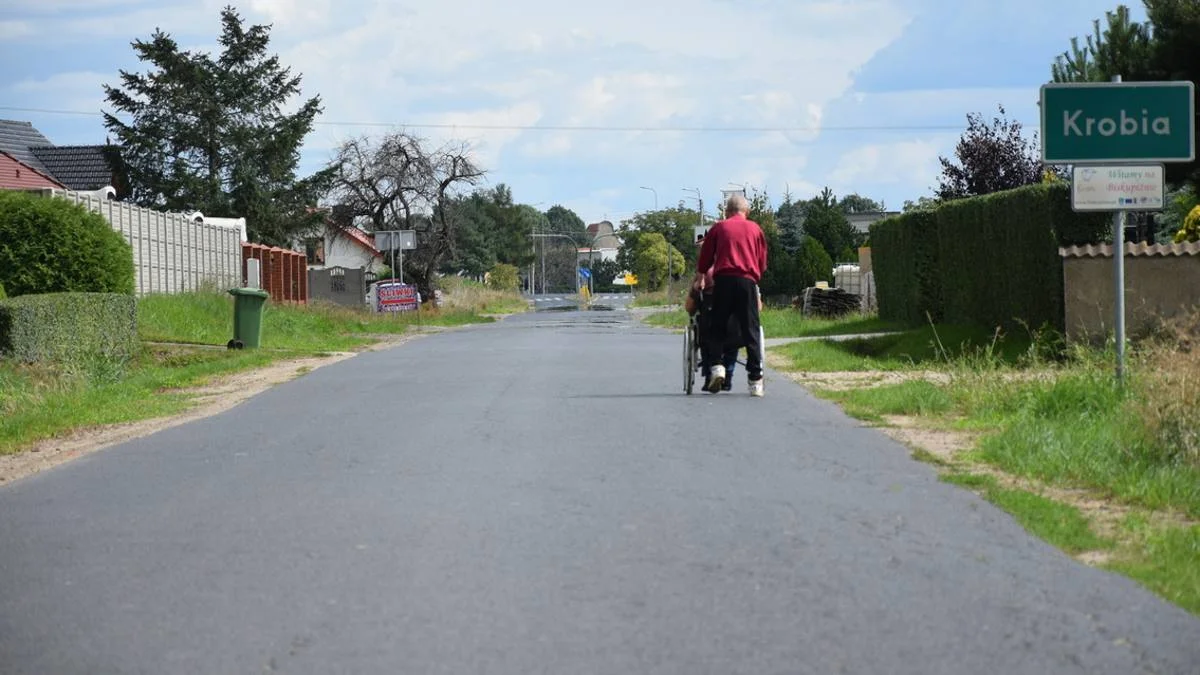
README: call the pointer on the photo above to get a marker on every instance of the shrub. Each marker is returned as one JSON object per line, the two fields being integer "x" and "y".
{"x": 3, "y": 295}
{"x": 49, "y": 245}
{"x": 68, "y": 327}
{"x": 1191, "y": 227}
{"x": 813, "y": 264}
{"x": 504, "y": 277}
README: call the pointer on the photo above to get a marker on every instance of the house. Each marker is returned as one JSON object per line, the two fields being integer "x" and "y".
{"x": 862, "y": 221}
{"x": 605, "y": 243}
{"x": 17, "y": 175}
{"x": 82, "y": 168}
{"x": 346, "y": 246}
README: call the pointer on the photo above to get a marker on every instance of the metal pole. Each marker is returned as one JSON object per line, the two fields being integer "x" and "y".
{"x": 1119, "y": 296}
{"x": 401, "y": 265}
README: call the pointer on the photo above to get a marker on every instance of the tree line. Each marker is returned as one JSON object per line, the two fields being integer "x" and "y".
{"x": 995, "y": 156}
{"x": 221, "y": 133}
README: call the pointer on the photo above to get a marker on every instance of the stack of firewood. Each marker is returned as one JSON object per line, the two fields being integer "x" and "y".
{"x": 827, "y": 302}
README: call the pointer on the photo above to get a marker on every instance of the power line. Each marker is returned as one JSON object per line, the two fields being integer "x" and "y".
{"x": 550, "y": 127}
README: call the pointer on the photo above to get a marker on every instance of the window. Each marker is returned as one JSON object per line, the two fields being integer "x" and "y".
{"x": 314, "y": 250}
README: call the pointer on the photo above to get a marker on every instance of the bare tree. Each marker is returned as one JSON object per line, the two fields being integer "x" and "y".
{"x": 396, "y": 182}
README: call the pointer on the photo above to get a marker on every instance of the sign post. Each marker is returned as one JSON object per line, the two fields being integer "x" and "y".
{"x": 1104, "y": 130}
{"x": 396, "y": 240}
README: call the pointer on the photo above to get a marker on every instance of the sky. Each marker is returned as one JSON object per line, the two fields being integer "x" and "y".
{"x": 587, "y": 105}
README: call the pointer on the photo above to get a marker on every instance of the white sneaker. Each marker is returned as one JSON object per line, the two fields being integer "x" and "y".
{"x": 756, "y": 387}
{"x": 715, "y": 379}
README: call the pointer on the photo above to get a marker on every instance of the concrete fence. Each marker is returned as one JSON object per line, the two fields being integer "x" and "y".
{"x": 172, "y": 253}
{"x": 1161, "y": 281}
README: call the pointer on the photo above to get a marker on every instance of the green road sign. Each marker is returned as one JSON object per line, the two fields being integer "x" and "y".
{"x": 1118, "y": 122}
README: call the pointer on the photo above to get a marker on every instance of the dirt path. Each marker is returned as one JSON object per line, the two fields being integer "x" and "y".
{"x": 213, "y": 397}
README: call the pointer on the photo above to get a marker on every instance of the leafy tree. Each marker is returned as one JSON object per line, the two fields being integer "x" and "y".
{"x": 676, "y": 224}
{"x": 650, "y": 261}
{"x": 604, "y": 272}
{"x": 474, "y": 252}
{"x": 397, "y": 183}
{"x": 854, "y": 203}
{"x": 990, "y": 159}
{"x": 922, "y": 204}
{"x": 565, "y": 220}
{"x": 813, "y": 263}
{"x": 827, "y": 224}
{"x": 214, "y": 135}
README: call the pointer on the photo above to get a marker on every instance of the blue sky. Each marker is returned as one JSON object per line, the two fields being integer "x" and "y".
{"x": 813, "y": 81}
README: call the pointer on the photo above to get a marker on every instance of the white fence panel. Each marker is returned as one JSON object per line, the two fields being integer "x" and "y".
{"x": 171, "y": 253}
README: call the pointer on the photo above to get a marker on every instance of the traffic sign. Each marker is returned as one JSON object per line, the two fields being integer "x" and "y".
{"x": 1118, "y": 188}
{"x": 1101, "y": 122}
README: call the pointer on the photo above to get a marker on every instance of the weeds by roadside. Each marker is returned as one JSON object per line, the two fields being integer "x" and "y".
{"x": 1048, "y": 414}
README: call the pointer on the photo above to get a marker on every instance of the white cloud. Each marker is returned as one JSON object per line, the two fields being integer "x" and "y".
{"x": 783, "y": 65}
{"x": 12, "y": 30}
{"x": 907, "y": 163}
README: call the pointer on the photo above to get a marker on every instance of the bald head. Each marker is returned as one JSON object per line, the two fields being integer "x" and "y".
{"x": 737, "y": 204}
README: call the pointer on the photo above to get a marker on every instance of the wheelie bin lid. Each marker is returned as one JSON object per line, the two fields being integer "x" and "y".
{"x": 254, "y": 292}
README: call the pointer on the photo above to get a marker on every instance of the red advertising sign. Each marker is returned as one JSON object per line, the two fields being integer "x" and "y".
{"x": 393, "y": 296}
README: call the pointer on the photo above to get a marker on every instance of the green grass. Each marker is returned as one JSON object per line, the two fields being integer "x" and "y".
{"x": 1164, "y": 559}
{"x": 43, "y": 402}
{"x": 791, "y": 323}
{"x": 38, "y": 402}
{"x": 922, "y": 347}
{"x": 1060, "y": 524}
{"x": 914, "y": 397}
{"x": 207, "y": 318}
{"x": 782, "y": 323}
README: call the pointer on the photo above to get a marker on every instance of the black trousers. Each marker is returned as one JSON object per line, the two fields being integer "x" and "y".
{"x": 735, "y": 298}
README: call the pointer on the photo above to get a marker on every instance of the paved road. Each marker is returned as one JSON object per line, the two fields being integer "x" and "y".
{"x": 553, "y": 301}
{"x": 538, "y": 496}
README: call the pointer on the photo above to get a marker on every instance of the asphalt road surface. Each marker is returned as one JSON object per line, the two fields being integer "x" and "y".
{"x": 539, "y": 496}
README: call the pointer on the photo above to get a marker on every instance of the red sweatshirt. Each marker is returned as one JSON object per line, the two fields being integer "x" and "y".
{"x": 734, "y": 247}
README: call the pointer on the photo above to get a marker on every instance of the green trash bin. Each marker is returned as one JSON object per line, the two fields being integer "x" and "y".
{"x": 247, "y": 317}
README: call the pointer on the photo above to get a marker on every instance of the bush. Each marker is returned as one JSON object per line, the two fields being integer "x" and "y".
{"x": 813, "y": 264}
{"x": 3, "y": 295}
{"x": 504, "y": 277}
{"x": 68, "y": 327}
{"x": 1191, "y": 227}
{"x": 49, "y": 245}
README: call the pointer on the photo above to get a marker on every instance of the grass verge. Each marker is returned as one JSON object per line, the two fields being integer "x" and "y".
{"x": 46, "y": 400}
{"x": 1049, "y": 420}
{"x": 786, "y": 322}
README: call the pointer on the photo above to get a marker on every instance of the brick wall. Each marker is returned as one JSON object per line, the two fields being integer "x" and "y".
{"x": 284, "y": 272}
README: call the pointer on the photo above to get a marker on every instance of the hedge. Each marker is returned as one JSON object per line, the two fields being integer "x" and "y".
{"x": 51, "y": 245}
{"x": 990, "y": 260}
{"x": 66, "y": 327}
{"x": 904, "y": 254}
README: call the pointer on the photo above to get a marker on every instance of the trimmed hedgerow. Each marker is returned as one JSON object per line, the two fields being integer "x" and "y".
{"x": 50, "y": 245}
{"x": 904, "y": 257}
{"x": 990, "y": 260}
{"x": 68, "y": 327}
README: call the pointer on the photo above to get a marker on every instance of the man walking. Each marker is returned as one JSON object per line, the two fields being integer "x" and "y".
{"x": 736, "y": 250}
